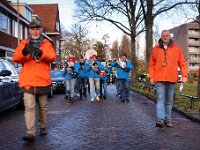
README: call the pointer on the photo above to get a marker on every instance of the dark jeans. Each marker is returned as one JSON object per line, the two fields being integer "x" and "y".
{"x": 117, "y": 87}
{"x": 124, "y": 88}
{"x": 103, "y": 88}
{"x": 82, "y": 86}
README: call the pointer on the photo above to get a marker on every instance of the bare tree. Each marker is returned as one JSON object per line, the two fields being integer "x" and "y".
{"x": 76, "y": 42}
{"x": 101, "y": 51}
{"x": 114, "y": 49}
{"x": 125, "y": 46}
{"x": 126, "y": 15}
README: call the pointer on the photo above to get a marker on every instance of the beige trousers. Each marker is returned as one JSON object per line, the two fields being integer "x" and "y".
{"x": 30, "y": 111}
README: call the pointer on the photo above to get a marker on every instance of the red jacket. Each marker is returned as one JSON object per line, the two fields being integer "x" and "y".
{"x": 35, "y": 74}
{"x": 175, "y": 59}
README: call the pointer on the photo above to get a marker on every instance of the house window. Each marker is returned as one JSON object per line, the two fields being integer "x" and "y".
{"x": 20, "y": 32}
{"x": 193, "y": 49}
{"x": 193, "y": 57}
{"x": 15, "y": 29}
{"x": 28, "y": 15}
{"x": 193, "y": 64}
{"x": 57, "y": 26}
{"x": 57, "y": 47}
{"x": 194, "y": 32}
{"x": 8, "y": 26}
{"x": 4, "y": 23}
{"x": 25, "y": 32}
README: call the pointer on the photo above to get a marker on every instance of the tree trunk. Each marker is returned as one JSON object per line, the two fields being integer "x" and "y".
{"x": 133, "y": 40}
{"x": 149, "y": 30}
{"x": 198, "y": 91}
{"x": 133, "y": 56}
{"x": 198, "y": 20}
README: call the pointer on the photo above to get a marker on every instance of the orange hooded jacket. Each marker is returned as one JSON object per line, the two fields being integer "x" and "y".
{"x": 168, "y": 73}
{"x": 35, "y": 74}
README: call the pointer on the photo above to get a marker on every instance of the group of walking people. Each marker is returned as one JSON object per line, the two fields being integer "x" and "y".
{"x": 92, "y": 74}
{"x": 36, "y": 53}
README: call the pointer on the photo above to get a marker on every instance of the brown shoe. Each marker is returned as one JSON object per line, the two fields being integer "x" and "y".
{"x": 159, "y": 124}
{"x": 43, "y": 131}
{"x": 29, "y": 138}
{"x": 169, "y": 124}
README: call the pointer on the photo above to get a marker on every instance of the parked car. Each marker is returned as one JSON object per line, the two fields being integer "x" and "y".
{"x": 58, "y": 80}
{"x": 10, "y": 93}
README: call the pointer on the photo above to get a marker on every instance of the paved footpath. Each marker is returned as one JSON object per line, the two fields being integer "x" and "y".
{"x": 105, "y": 125}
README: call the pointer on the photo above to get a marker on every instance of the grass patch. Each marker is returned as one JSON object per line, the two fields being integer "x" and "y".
{"x": 189, "y": 89}
{"x": 180, "y": 102}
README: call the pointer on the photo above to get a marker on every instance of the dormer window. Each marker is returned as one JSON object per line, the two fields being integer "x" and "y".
{"x": 57, "y": 26}
{"x": 28, "y": 15}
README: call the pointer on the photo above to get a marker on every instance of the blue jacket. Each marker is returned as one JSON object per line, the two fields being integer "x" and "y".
{"x": 91, "y": 73}
{"x": 82, "y": 73}
{"x": 68, "y": 76}
{"x": 107, "y": 70}
{"x": 123, "y": 73}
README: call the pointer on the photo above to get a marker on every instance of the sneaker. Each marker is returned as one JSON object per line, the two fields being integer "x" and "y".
{"x": 123, "y": 100}
{"x": 71, "y": 100}
{"x": 43, "y": 131}
{"x": 127, "y": 100}
{"x": 29, "y": 138}
{"x": 66, "y": 97}
{"x": 169, "y": 124}
{"x": 92, "y": 100}
{"x": 159, "y": 124}
{"x": 104, "y": 97}
{"x": 97, "y": 98}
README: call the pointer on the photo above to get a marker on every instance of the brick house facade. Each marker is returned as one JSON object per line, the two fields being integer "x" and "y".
{"x": 9, "y": 35}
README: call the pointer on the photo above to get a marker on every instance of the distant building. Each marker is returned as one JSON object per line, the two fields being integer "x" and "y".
{"x": 187, "y": 36}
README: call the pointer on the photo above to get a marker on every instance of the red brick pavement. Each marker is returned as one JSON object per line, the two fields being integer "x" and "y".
{"x": 105, "y": 125}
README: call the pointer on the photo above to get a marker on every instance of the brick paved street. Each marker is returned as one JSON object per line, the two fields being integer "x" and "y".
{"x": 105, "y": 125}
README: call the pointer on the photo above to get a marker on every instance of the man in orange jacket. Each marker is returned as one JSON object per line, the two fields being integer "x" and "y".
{"x": 164, "y": 61}
{"x": 35, "y": 54}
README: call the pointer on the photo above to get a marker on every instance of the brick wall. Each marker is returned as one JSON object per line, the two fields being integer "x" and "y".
{"x": 7, "y": 40}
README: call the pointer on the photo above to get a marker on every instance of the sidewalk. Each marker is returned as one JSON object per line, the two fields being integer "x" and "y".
{"x": 105, "y": 125}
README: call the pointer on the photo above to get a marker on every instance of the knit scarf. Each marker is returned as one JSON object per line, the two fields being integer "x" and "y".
{"x": 35, "y": 42}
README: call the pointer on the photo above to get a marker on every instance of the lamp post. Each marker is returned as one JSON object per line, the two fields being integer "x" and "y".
{"x": 18, "y": 22}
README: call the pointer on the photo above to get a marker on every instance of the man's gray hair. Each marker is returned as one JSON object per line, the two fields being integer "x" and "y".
{"x": 165, "y": 31}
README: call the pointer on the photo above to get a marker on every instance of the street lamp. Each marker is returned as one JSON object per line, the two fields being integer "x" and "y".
{"x": 18, "y": 22}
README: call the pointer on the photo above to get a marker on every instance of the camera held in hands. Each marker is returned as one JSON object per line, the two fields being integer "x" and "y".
{"x": 34, "y": 52}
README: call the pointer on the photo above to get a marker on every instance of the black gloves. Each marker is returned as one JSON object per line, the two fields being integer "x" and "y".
{"x": 33, "y": 51}
{"x": 38, "y": 53}
{"x": 25, "y": 51}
